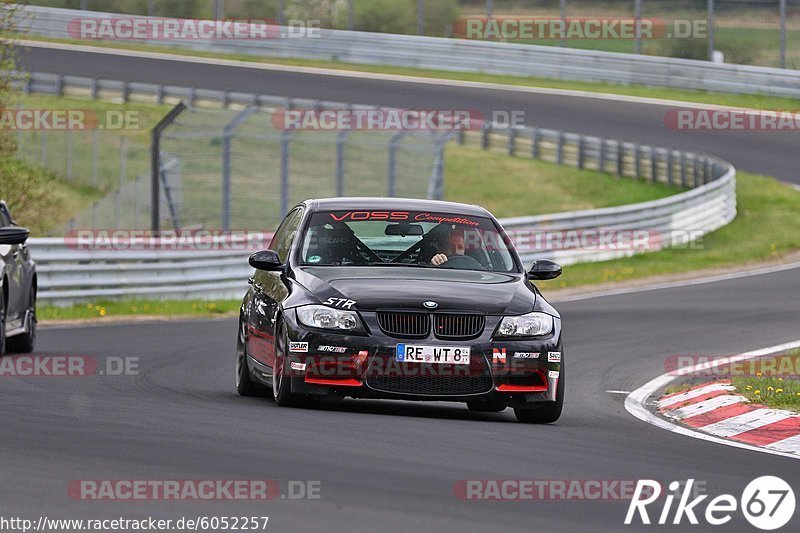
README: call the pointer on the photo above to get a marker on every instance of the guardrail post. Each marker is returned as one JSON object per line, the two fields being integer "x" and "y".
{"x": 192, "y": 96}
{"x": 28, "y": 85}
{"x": 341, "y": 139}
{"x": 695, "y": 169}
{"x": 601, "y": 165}
{"x": 707, "y": 171}
{"x": 512, "y": 141}
{"x": 392, "y": 171}
{"x": 462, "y": 136}
{"x": 637, "y": 161}
{"x": 670, "y": 163}
{"x": 485, "y": 131}
{"x": 653, "y": 164}
{"x": 560, "y": 148}
{"x": 535, "y": 148}
{"x": 160, "y": 94}
{"x": 683, "y": 169}
{"x": 95, "y": 89}
{"x": 286, "y": 137}
{"x": 620, "y": 158}
{"x": 155, "y": 164}
{"x": 60, "y": 85}
{"x": 581, "y": 151}
{"x": 126, "y": 91}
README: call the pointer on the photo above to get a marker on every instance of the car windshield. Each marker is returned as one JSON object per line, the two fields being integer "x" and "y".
{"x": 405, "y": 238}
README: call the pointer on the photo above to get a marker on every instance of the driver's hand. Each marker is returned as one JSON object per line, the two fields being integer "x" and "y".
{"x": 439, "y": 259}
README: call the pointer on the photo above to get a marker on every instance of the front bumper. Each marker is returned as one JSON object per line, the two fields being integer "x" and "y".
{"x": 513, "y": 372}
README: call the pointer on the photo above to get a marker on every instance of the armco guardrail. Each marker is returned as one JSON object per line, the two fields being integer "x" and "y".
{"x": 471, "y": 56}
{"x": 709, "y": 204}
{"x": 68, "y": 273}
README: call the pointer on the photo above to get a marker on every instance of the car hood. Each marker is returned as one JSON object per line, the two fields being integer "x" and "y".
{"x": 374, "y": 288}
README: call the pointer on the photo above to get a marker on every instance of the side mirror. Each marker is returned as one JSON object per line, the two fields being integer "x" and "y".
{"x": 266, "y": 260}
{"x": 14, "y": 235}
{"x": 544, "y": 269}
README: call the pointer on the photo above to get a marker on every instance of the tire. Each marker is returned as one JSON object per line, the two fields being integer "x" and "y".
{"x": 281, "y": 384}
{"x": 245, "y": 385}
{"x": 2, "y": 324}
{"x": 546, "y": 413}
{"x": 27, "y": 342}
{"x": 486, "y": 407}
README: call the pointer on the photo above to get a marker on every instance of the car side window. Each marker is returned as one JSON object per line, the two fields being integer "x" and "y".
{"x": 284, "y": 237}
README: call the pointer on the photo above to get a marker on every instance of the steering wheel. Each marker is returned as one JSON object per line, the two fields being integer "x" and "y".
{"x": 463, "y": 262}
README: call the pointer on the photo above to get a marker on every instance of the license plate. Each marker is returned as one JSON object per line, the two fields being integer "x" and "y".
{"x": 443, "y": 355}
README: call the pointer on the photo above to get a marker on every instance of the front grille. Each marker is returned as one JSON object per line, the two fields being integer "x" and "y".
{"x": 427, "y": 380}
{"x": 403, "y": 324}
{"x": 458, "y": 326}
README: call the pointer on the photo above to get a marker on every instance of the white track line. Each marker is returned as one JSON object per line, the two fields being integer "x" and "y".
{"x": 679, "y": 398}
{"x": 371, "y": 75}
{"x": 747, "y": 421}
{"x": 706, "y": 406}
{"x": 678, "y": 284}
{"x": 636, "y": 404}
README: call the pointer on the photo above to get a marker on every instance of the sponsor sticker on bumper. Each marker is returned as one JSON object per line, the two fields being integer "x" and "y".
{"x": 553, "y": 357}
{"x": 301, "y": 347}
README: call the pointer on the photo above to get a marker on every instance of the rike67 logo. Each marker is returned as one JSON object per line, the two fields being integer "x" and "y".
{"x": 767, "y": 502}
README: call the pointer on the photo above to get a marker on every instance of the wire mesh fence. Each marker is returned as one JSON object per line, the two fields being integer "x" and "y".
{"x": 239, "y": 170}
{"x": 233, "y": 168}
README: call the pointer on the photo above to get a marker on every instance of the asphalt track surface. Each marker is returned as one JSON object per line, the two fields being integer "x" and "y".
{"x": 771, "y": 153}
{"x": 387, "y": 466}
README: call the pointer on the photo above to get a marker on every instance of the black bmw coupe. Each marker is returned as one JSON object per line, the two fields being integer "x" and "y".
{"x": 400, "y": 299}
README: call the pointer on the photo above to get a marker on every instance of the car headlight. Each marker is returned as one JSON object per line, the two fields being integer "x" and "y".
{"x": 530, "y": 325}
{"x": 320, "y": 316}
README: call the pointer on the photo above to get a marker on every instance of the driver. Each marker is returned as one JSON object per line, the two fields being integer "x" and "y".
{"x": 452, "y": 246}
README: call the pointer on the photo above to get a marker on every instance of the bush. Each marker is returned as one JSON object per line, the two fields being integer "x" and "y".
{"x": 386, "y": 16}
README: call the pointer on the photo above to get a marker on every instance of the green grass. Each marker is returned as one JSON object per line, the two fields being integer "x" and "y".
{"x": 40, "y": 200}
{"x": 516, "y": 186}
{"x": 766, "y": 227}
{"x": 772, "y": 391}
{"x": 736, "y": 100}
{"x": 152, "y": 308}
